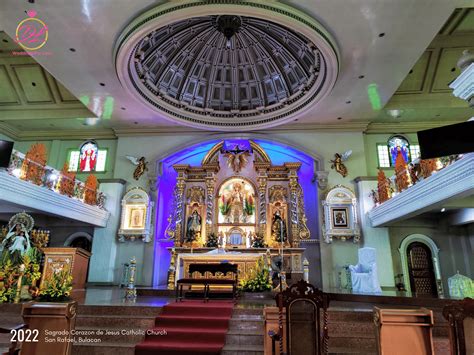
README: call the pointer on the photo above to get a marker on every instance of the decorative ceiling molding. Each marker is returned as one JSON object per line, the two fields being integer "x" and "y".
{"x": 273, "y": 62}
{"x": 34, "y": 135}
{"x": 358, "y": 126}
{"x": 406, "y": 127}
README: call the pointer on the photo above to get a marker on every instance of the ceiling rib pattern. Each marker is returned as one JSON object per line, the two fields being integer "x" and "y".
{"x": 229, "y": 69}
{"x": 191, "y": 62}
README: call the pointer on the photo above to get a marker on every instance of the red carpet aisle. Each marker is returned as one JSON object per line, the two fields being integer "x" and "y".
{"x": 192, "y": 327}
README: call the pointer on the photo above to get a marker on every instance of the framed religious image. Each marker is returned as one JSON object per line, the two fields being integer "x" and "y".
{"x": 137, "y": 217}
{"x": 135, "y": 221}
{"x": 339, "y": 217}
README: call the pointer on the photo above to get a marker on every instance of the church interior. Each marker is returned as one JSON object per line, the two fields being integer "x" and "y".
{"x": 236, "y": 177}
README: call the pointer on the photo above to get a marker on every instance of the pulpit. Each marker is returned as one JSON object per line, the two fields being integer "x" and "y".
{"x": 75, "y": 260}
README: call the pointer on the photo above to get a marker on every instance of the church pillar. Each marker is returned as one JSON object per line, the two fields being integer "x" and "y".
{"x": 377, "y": 238}
{"x": 210, "y": 198}
{"x": 179, "y": 196}
{"x": 104, "y": 244}
{"x": 262, "y": 178}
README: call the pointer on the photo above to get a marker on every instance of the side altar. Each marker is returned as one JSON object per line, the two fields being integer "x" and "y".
{"x": 238, "y": 201}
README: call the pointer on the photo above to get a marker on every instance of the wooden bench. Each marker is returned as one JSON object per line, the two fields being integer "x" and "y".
{"x": 213, "y": 269}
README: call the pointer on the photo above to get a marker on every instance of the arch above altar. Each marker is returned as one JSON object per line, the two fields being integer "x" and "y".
{"x": 238, "y": 198}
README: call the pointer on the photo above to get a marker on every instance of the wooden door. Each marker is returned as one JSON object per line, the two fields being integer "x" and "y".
{"x": 420, "y": 269}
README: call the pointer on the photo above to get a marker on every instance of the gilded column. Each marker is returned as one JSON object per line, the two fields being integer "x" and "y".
{"x": 211, "y": 170}
{"x": 299, "y": 230}
{"x": 175, "y": 227}
{"x": 262, "y": 178}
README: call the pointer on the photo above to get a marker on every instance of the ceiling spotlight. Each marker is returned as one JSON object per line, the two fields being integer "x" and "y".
{"x": 91, "y": 121}
{"x": 443, "y": 209}
{"x": 395, "y": 113}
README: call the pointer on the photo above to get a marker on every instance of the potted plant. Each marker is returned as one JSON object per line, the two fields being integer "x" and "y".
{"x": 257, "y": 280}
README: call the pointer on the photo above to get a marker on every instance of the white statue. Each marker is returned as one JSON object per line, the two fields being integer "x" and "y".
{"x": 17, "y": 240}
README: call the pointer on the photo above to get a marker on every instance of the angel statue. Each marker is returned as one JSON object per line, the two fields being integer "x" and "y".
{"x": 17, "y": 241}
{"x": 237, "y": 158}
{"x": 142, "y": 166}
{"x": 338, "y": 164}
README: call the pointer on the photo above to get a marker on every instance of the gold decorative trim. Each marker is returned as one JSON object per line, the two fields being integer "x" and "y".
{"x": 214, "y": 150}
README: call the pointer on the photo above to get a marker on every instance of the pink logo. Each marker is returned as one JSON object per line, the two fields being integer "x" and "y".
{"x": 31, "y": 33}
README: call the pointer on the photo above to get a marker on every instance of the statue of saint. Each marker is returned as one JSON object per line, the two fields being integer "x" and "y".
{"x": 278, "y": 228}
{"x": 236, "y": 211}
{"x": 17, "y": 241}
{"x": 193, "y": 231}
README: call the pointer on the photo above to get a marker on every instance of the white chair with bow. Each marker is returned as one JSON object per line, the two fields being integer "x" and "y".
{"x": 364, "y": 275}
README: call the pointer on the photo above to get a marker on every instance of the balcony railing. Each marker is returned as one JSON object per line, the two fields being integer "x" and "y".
{"x": 54, "y": 180}
{"x": 409, "y": 175}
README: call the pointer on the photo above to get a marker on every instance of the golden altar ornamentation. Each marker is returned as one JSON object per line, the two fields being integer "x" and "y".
{"x": 246, "y": 258}
{"x": 236, "y": 202}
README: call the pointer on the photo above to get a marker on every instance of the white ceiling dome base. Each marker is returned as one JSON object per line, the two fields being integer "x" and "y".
{"x": 136, "y": 64}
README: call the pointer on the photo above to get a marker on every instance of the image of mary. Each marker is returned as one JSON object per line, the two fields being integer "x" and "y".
{"x": 193, "y": 230}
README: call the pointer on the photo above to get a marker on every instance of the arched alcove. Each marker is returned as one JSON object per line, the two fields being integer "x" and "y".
{"x": 404, "y": 245}
{"x": 193, "y": 154}
{"x": 69, "y": 242}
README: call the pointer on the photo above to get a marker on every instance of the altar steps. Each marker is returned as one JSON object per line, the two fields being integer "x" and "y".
{"x": 246, "y": 332}
{"x": 111, "y": 319}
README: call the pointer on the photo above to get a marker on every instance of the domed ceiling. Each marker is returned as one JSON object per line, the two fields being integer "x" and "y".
{"x": 225, "y": 71}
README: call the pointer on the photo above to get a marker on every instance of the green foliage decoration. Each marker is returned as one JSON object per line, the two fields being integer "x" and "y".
{"x": 57, "y": 288}
{"x": 257, "y": 280}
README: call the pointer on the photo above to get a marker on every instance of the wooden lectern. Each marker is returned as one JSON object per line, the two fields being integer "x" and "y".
{"x": 76, "y": 260}
{"x": 404, "y": 331}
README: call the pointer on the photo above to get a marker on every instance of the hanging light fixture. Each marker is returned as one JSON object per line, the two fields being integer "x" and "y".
{"x": 228, "y": 25}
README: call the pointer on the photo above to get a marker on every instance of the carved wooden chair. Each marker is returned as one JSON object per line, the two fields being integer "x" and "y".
{"x": 306, "y": 320}
{"x": 460, "y": 317}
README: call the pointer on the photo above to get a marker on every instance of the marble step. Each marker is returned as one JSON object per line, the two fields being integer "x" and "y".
{"x": 231, "y": 349}
{"x": 244, "y": 337}
{"x": 353, "y": 329}
{"x": 347, "y": 351}
{"x": 104, "y": 348}
{"x": 115, "y": 321}
{"x": 247, "y": 311}
{"x": 355, "y": 343}
{"x": 253, "y": 324}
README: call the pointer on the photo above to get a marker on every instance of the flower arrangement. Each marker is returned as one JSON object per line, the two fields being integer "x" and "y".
{"x": 259, "y": 241}
{"x": 57, "y": 288}
{"x": 224, "y": 206}
{"x": 212, "y": 241}
{"x": 249, "y": 205}
{"x": 257, "y": 280}
{"x": 28, "y": 268}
